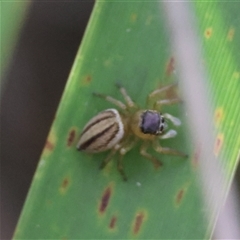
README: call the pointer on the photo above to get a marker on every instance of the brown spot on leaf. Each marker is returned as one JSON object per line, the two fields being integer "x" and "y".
{"x": 112, "y": 223}
{"x": 71, "y": 137}
{"x": 133, "y": 17}
{"x": 230, "y": 34}
{"x": 218, "y": 116}
{"x": 138, "y": 221}
{"x": 179, "y": 196}
{"x": 208, "y": 32}
{"x": 64, "y": 185}
{"x": 105, "y": 200}
{"x": 49, "y": 145}
{"x": 218, "y": 144}
{"x": 157, "y": 164}
{"x": 87, "y": 79}
{"x": 170, "y": 66}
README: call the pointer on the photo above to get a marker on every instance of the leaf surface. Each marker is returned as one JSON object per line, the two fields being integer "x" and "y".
{"x": 70, "y": 198}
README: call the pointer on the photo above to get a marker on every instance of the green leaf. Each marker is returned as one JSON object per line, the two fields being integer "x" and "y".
{"x": 70, "y": 198}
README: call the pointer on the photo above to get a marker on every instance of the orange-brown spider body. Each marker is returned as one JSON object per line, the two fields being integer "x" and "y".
{"x": 119, "y": 131}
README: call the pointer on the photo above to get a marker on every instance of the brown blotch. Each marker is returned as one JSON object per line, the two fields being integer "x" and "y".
{"x": 49, "y": 145}
{"x": 230, "y": 34}
{"x": 87, "y": 79}
{"x": 138, "y": 222}
{"x": 71, "y": 137}
{"x": 105, "y": 200}
{"x": 113, "y": 222}
{"x": 218, "y": 144}
{"x": 64, "y": 185}
{"x": 158, "y": 164}
{"x": 218, "y": 116}
{"x": 208, "y": 32}
{"x": 133, "y": 17}
{"x": 179, "y": 196}
{"x": 170, "y": 66}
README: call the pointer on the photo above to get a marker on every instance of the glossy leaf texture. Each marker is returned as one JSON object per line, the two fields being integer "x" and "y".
{"x": 128, "y": 42}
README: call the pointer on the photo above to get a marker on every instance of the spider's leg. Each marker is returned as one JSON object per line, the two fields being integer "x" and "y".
{"x": 107, "y": 159}
{"x": 163, "y": 102}
{"x": 126, "y": 146}
{"x": 120, "y": 168}
{"x": 161, "y": 90}
{"x": 126, "y": 97}
{"x": 166, "y": 150}
{"x": 152, "y": 159}
{"x": 111, "y": 100}
{"x": 158, "y": 92}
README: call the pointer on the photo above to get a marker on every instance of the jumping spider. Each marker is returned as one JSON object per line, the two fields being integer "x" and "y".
{"x": 119, "y": 131}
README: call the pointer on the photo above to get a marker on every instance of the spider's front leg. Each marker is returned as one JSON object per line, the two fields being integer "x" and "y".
{"x": 125, "y": 95}
{"x": 165, "y": 150}
{"x": 151, "y": 102}
{"x": 143, "y": 151}
{"x": 111, "y": 100}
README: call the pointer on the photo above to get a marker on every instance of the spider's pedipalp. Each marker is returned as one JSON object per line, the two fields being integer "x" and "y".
{"x": 169, "y": 134}
{"x": 175, "y": 121}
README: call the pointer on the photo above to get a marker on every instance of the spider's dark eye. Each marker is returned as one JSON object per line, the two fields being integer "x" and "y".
{"x": 151, "y": 122}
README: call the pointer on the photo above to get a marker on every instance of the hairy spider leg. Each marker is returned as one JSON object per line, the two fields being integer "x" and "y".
{"x": 107, "y": 159}
{"x": 122, "y": 151}
{"x": 165, "y": 150}
{"x": 111, "y": 100}
{"x": 121, "y": 168}
{"x": 170, "y": 101}
{"x": 125, "y": 95}
{"x": 161, "y": 90}
{"x": 143, "y": 151}
{"x": 125, "y": 147}
{"x": 157, "y": 93}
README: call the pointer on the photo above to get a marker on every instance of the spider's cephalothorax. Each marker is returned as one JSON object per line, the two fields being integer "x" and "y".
{"x": 152, "y": 122}
{"x": 119, "y": 131}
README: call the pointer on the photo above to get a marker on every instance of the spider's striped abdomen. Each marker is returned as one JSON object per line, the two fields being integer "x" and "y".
{"x": 102, "y": 132}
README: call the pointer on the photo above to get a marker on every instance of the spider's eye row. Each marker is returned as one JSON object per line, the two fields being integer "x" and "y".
{"x": 152, "y": 122}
